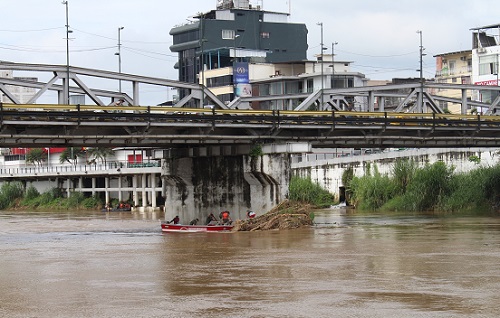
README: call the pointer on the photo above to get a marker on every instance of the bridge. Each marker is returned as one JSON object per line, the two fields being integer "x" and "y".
{"x": 218, "y": 175}
{"x": 405, "y": 115}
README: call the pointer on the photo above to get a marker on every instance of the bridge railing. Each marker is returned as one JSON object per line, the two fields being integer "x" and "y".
{"x": 111, "y": 166}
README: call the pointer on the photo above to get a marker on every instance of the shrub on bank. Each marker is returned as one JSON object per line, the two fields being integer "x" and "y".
{"x": 10, "y": 193}
{"x": 431, "y": 188}
{"x": 304, "y": 190}
{"x": 13, "y": 195}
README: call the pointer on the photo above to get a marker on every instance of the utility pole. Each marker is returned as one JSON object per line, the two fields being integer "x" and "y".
{"x": 66, "y": 89}
{"x": 421, "y": 70}
{"x": 202, "y": 61}
{"x": 322, "y": 74}
{"x": 333, "y": 63}
{"x": 119, "y": 58}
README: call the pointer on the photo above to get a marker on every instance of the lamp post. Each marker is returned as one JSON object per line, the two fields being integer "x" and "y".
{"x": 66, "y": 89}
{"x": 234, "y": 44}
{"x": 119, "y": 53}
{"x": 322, "y": 75}
{"x": 333, "y": 63}
{"x": 202, "y": 60}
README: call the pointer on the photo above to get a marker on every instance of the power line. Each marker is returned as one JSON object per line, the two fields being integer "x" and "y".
{"x": 36, "y": 30}
{"x": 380, "y": 56}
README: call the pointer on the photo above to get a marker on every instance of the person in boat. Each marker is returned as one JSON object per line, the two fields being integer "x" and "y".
{"x": 194, "y": 222}
{"x": 211, "y": 220}
{"x": 225, "y": 217}
{"x": 250, "y": 214}
{"x": 175, "y": 220}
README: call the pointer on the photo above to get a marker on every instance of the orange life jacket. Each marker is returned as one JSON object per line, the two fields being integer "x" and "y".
{"x": 225, "y": 215}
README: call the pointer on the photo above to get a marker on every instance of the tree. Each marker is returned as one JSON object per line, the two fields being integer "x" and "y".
{"x": 36, "y": 156}
{"x": 71, "y": 155}
{"x": 100, "y": 153}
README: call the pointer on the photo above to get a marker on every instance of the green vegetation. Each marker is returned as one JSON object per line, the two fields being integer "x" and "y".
{"x": 36, "y": 156}
{"x": 433, "y": 188}
{"x": 256, "y": 151}
{"x": 13, "y": 195}
{"x": 305, "y": 191}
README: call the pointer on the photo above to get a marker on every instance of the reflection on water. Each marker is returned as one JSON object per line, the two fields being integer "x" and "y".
{"x": 93, "y": 264}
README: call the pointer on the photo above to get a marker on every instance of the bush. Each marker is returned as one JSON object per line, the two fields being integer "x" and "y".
{"x": 429, "y": 186}
{"x": 92, "y": 202}
{"x": 304, "y": 190}
{"x": 10, "y": 193}
{"x": 370, "y": 193}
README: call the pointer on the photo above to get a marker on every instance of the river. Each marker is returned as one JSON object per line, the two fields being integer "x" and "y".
{"x": 83, "y": 264}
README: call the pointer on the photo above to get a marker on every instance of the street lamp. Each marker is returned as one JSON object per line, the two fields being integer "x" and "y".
{"x": 235, "y": 37}
{"x": 68, "y": 31}
{"x": 119, "y": 57}
{"x": 333, "y": 63}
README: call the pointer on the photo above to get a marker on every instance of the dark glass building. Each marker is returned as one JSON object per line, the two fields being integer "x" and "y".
{"x": 236, "y": 31}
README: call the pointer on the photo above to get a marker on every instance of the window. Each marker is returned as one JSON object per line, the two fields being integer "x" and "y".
{"x": 228, "y": 34}
{"x": 488, "y": 65}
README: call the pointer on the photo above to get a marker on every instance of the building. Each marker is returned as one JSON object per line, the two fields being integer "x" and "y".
{"x": 485, "y": 60}
{"x": 236, "y": 31}
{"x": 22, "y": 94}
{"x": 453, "y": 68}
{"x": 268, "y": 79}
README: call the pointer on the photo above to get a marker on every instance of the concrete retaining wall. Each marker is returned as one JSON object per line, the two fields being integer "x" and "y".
{"x": 328, "y": 173}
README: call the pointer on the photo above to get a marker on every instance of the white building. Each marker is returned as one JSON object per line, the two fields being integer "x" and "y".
{"x": 23, "y": 94}
{"x": 485, "y": 60}
{"x": 300, "y": 77}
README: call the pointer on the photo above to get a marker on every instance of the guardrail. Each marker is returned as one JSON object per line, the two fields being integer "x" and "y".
{"x": 45, "y": 112}
{"x": 75, "y": 169}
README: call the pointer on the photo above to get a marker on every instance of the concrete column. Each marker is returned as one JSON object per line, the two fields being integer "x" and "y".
{"x": 120, "y": 196}
{"x": 80, "y": 184}
{"x": 68, "y": 192}
{"x": 464, "y": 102}
{"x": 371, "y": 101}
{"x": 153, "y": 190}
{"x": 106, "y": 191}
{"x": 134, "y": 193}
{"x": 93, "y": 186}
{"x": 144, "y": 193}
{"x": 381, "y": 103}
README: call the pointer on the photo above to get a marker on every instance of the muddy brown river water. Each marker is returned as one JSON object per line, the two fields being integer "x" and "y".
{"x": 75, "y": 264}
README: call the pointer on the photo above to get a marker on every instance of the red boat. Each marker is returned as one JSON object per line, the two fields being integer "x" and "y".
{"x": 167, "y": 227}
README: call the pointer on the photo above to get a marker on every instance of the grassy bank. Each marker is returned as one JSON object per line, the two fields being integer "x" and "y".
{"x": 433, "y": 188}
{"x": 14, "y": 196}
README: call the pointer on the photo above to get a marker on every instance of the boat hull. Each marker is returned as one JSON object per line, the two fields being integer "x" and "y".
{"x": 165, "y": 227}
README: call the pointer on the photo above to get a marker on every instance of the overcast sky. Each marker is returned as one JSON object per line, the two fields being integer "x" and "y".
{"x": 380, "y": 37}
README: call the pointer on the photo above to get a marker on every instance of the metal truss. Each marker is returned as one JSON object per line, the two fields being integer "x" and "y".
{"x": 404, "y": 98}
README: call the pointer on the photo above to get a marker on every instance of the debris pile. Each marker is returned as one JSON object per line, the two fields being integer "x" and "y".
{"x": 287, "y": 215}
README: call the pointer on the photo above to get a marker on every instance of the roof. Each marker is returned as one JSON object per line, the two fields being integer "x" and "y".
{"x": 492, "y": 26}
{"x": 454, "y": 53}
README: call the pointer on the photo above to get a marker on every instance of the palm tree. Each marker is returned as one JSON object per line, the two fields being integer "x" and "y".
{"x": 100, "y": 153}
{"x": 71, "y": 155}
{"x": 36, "y": 156}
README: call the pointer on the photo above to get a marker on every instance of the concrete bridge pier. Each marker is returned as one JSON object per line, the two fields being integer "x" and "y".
{"x": 197, "y": 186}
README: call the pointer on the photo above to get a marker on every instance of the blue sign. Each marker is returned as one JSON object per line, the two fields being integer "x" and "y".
{"x": 240, "y": 73}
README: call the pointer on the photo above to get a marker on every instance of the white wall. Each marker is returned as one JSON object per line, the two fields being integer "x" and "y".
{"x": 328, "y": 173}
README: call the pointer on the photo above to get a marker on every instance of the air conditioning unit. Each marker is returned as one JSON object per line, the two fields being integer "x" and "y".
{"x": 481, "y": 50}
